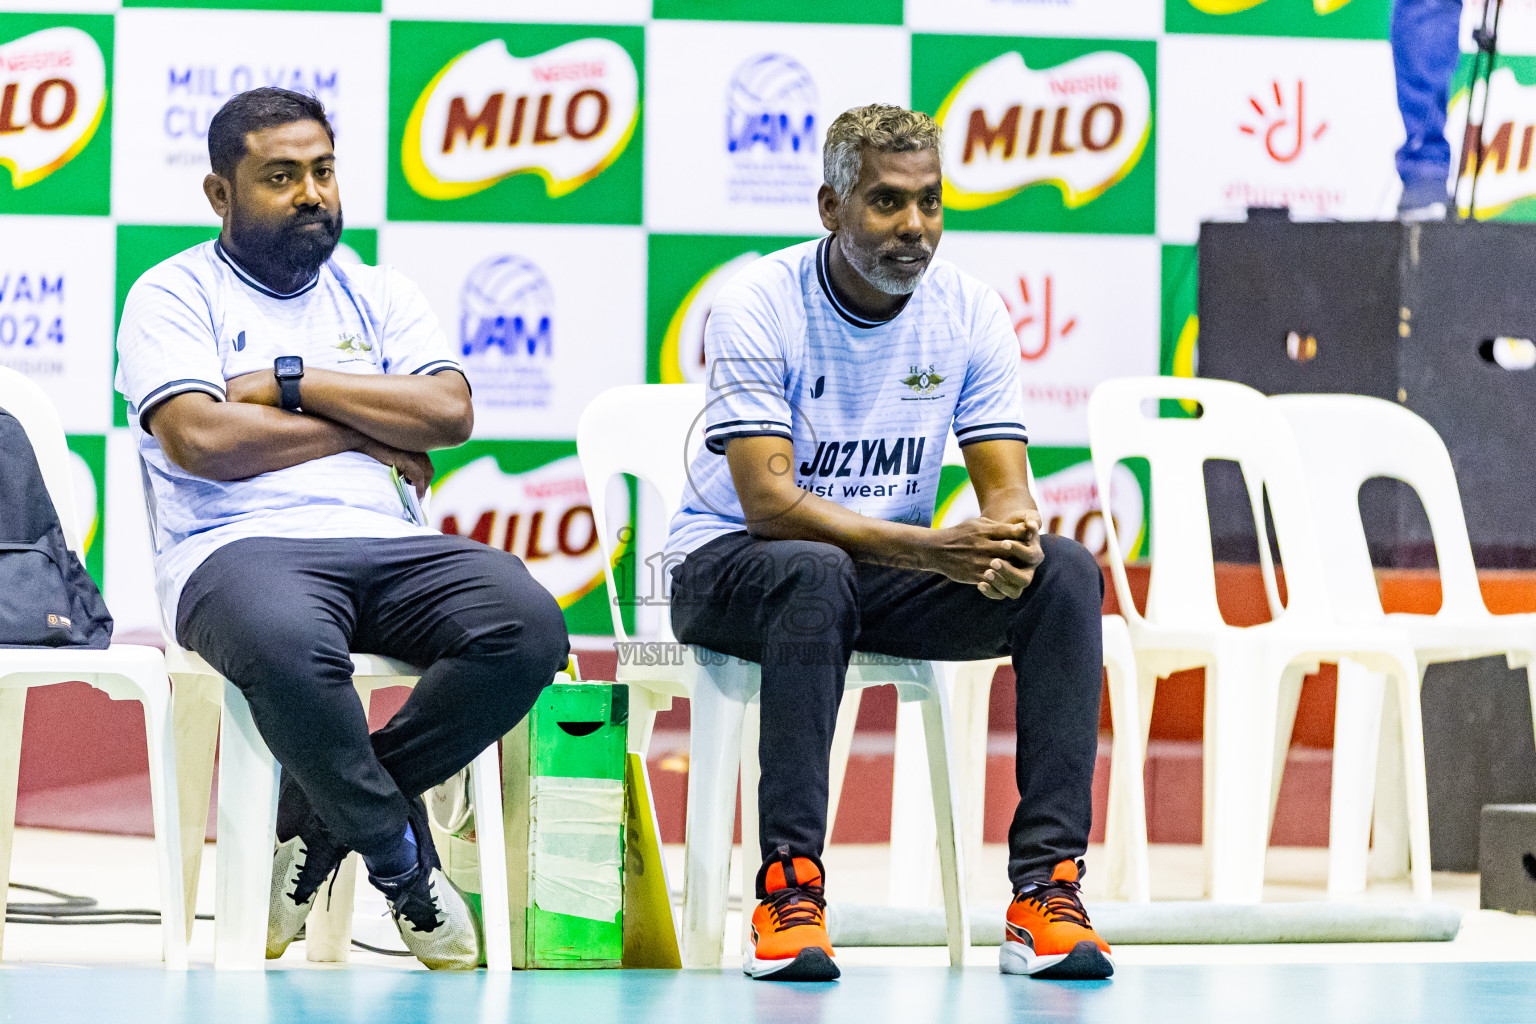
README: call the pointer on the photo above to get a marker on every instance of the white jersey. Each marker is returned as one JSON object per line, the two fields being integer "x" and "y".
{"x": 198, "y": 319}
{"x": 867, "y": 404}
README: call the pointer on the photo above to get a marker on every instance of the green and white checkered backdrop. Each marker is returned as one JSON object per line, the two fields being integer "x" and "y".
{"x": 571, "y": 193}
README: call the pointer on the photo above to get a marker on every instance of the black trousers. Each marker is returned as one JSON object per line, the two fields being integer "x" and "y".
{"x": 800, "y": 608}
{"x": 280, "y": 618}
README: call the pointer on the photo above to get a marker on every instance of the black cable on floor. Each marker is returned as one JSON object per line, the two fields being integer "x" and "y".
{"x": 76, "y": 910}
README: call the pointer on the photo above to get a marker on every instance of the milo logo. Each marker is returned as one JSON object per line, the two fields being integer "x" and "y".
{"x": 1238, "y": 6}
{"x": 53, "y": 93}
{"x": 564, "y": 115}
{"x": 542, "y": 516}
{"x": 1503, "y": 156}
{"x": 1080, "y": 126}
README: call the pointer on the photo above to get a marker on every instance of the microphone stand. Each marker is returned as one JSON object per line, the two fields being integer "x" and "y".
{"x": 1486, "y": 36}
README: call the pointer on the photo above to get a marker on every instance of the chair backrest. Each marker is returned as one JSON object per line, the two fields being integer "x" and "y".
{"x": 23, "y": 399}
{"x": 643, "y": 430}
{"x": 1235, "y": 423}
{"x": 1346, "y": 440}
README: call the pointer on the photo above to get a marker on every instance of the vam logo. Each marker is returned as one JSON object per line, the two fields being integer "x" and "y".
{"x": 53, "y": 93}
{"x": 771, "y": 131}
{"x": 32, "y": 322}
{"x": 564, "y": 115}
{"x": 1283, "y": 125}
{"x": 542, "y": 516}
{"x": 682, "y": 347}
{"x": 506, "y": 332}
{"x": 1036, "y": 321}
{"x": 1081, "y": 126}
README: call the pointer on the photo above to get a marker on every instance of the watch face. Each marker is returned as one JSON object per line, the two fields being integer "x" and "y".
{"x": 289, "y": 366}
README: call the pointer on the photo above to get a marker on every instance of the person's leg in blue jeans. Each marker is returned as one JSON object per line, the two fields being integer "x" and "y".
{"x": 1424, "y": 54}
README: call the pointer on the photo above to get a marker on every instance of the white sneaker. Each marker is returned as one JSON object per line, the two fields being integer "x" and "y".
{"x": 297, "y": 874}
{"x": 435, "y": 922}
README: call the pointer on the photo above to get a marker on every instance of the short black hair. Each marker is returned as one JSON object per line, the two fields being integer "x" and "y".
{"x": 253, "y": 110}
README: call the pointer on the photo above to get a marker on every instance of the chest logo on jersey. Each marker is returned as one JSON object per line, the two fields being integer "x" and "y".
{"x": 922, "y": 382}
{"x": 354, "y": 346}
{"x": 863, "y": 459}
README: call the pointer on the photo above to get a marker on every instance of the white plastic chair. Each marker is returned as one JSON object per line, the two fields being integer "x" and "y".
{"x": 209, "y": 708}
{"x": 645, "y": 431}
{"x": 1250, "y": 671}
{"x": 1127, "y": 868}
{"x": 122, "y": 672}
{"x": 1346, "y": 440}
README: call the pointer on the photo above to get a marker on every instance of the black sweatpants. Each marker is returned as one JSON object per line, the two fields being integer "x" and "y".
{"x": 800, "y": 608}
{"x": 280, "y": 618}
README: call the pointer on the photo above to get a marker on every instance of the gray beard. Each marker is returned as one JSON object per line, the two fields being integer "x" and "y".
{"x": 868, "y": 266}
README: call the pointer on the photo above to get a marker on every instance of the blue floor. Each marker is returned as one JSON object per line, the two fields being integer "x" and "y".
{"x": 1346, "y": 994}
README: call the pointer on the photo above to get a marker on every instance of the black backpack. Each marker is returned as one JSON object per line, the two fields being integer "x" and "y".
{"x": 46, "y": 597}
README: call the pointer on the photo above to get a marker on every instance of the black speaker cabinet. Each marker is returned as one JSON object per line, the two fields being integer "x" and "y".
{"x": 1438, "y": 316}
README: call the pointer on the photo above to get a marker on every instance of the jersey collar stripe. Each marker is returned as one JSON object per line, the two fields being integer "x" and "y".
{"x": 987, "y": 426}
{"x": 824, "y": 277}
{"x": 716, "y": 442}
{"x": 437, "y": 366}
{"x": 1000, "y": 436}
{"x": 218, "y": 247}
{"x": 755, "y": 423}
{"x": 170, "y": 389}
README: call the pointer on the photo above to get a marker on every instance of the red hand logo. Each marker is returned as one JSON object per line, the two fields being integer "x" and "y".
{"x": 1286, "y": 132}
{"x": 1037, "y": 323}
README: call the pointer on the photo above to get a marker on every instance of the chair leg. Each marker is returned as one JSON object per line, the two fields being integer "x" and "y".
{"x": 951, "y": 854}
{"x": 247, "y": 823}
{"x": 970, "y": 690}
{"x": 1125, "y": 827}
{"x": 912, "y": 813}
{"x": 643, "y": 705}
{"x": 491, "y": 841}
{"x": 13, "y": 712}
{"x": 160, "y": 740}
{"x": 1411, "y": 733}
{"x": 842, "y": 747}
{"x": 713, "y": 764}
{"x": 1241, "y": 719}
{"x": 1356, "y": 736}
{"x": 195, "y": 719}
{"x": 1285, "y": 724}
{"x": 328, "y": 929}
{"x": 751, "y": 845}
{"x": 1388, "y": 857}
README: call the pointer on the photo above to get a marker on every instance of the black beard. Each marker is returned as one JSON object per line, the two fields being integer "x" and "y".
{"x": 290, "y": 255}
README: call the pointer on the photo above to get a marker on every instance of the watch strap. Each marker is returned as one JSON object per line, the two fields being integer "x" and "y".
{"x": 288, "y": 393}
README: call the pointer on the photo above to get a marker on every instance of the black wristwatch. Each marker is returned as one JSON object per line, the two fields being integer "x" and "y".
{"x": 289, "y": 370}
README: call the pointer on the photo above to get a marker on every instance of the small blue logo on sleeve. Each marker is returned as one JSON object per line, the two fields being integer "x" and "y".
{"x": 240, "y": 342}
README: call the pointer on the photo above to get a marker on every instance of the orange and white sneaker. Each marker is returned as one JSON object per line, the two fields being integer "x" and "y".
{"x": 1047, "y": 934}
{"x": 789, "y": 928}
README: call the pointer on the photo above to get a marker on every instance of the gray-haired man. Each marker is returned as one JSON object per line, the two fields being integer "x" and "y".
{"x": 838, "y": 368}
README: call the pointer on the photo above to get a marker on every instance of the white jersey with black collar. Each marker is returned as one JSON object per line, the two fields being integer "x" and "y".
{"x": 867, "y": 404}
{"x": 198, "y": 319}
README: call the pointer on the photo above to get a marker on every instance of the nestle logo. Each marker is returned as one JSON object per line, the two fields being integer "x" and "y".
{"x": 1085, "y": 84}
{"x": 572, "y": 72}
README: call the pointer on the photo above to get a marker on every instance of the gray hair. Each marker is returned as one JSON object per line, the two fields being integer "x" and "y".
{"x": 886, "y": 128}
